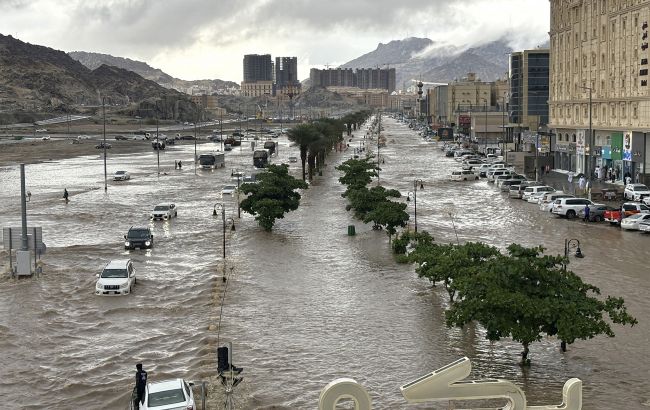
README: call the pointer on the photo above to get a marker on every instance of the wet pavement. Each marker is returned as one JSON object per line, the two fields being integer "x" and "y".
{"x": 305, "y": 304}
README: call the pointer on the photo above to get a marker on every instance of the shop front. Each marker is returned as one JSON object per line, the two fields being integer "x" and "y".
{"x": 617, "y": 156}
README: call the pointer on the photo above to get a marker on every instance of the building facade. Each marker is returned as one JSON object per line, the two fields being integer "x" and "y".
{"x": 258, "y": 67}
{"x": 364, "y": 78}
{"x": 286, "y": 76}
{"x": 599, "y": 81}
{"x": 257, "y": 88}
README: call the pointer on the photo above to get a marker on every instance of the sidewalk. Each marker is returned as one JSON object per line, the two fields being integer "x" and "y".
{"x": 558, "y": 179}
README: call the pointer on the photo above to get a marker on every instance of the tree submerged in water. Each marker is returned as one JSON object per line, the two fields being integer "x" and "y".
{"x": 273, "y": 196}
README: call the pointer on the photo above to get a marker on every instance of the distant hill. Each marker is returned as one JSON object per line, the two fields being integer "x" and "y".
{"x": 37, "y": 78}
{"x": 94, "y": 60}
{"x": 426, "y": 60}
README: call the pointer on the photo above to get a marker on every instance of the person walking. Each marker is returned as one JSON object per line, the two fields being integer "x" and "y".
{"x": 581, "y": 184}
{"x": 628, "y": 178}
{"x": 65, "y": 194}
{"x": 140, "y": 385}
{"x": 586, "y": 212}
{"x": 570, "y": 179}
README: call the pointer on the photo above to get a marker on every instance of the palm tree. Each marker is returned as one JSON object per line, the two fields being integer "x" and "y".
{"x": 303, "y": 135}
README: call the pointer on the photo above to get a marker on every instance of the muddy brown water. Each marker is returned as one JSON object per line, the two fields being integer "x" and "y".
{"x": 305, "y": 304}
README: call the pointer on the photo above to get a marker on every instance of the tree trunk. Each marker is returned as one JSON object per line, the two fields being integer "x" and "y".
{"x": 525, "y": 361}
{"x": 310, "y": 161}
{"x": 303, "y": 159}
{"x": 563, "y": 346}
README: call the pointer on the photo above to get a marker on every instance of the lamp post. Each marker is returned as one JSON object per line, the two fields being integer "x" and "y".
{"x": 219, "y": 207}
{"x": 503, "y": 128}
{"x": 232, "y": 173}
{"x": 417, "y": 184}
{"x": 486, "y": 124}
{"x": 570, "y": 244}
{"x": 590, "y": 164}
{"x": 105, "y": 173}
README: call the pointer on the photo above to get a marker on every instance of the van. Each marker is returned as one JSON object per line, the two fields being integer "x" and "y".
{"x": 463, "y": 175}
{"x": 492, "y": 176}
{"x": 260, "y": 158}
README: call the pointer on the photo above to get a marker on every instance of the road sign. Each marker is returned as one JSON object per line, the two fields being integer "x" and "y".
{"x": 12, "y": 238}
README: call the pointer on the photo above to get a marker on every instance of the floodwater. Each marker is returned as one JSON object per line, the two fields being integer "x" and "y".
{"x": 305, "y": 304}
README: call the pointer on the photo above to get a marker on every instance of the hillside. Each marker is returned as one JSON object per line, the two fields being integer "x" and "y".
{"x": 94, "y": 60}
{"x": 426, "y": 60}
{"x": 40, "y": 79}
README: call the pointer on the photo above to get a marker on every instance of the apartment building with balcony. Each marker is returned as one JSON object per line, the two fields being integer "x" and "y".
{"x": 599, "y": 75}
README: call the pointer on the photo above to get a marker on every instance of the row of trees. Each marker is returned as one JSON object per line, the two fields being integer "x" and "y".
{"x": 522, "y": 294}
{"x": 275, "y": 193}
{"x": 371, "y": 204}
{"x": 319, "y": 137}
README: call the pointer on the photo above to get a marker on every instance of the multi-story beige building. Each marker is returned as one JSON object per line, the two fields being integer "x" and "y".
{"x": 599, "y": 48}
{"x": 256, "y": 88}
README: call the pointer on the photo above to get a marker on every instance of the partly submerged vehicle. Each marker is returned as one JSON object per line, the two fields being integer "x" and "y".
{"x": 212, "y": 161}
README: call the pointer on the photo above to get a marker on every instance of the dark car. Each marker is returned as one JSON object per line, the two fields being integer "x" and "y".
{"x": 138, "y": 237}
{"x": 120, "y": 138}
{"x": 103, "y": 145}
{"x": 597, "y": 212}
{"x": 188, "y": 137}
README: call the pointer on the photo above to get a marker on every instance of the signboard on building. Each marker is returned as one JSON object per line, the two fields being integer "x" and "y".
{"x": 464, "y": 120}
{"x": 544, "y": 143}
{"x": 446, "y": 134}
{"x": 627, "y": 146}
{"x": 580, "y": 142}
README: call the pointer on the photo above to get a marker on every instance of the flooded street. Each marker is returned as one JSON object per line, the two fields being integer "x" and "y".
{"x": 305, "y": 304}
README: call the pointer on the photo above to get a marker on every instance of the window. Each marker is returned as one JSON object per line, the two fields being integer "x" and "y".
{"x": 604, "y": 111}
{"x": 644, "y": 83}
{"x": 643, "y": 72}
{"x": 635, "y": 111}
{"x": 623, "y": 110}
{"x": 603, "y": 33}
{"x": 602, "y": 59}
{"x": 584, "y": 61}
{"x": 644, "y": 61}
{"x": 623, "y": 82}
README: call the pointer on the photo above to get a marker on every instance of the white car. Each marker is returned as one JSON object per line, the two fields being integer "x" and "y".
{"x": 117, "y": 278}
{"x": 464, "y": 175}
{"x": 536, "y": 191}
{"x": 570, "y": 207}
{"x": 471, "y": 164}
{"x": 644, "y": 226}
{"x": 229, "y": 190}
{"x": 546, "y": 200}
{"x": 41, "y": 130}
{"x": 173, "y": 394}
{"x": 121, "y": 176}
{"x": 164, "y": 211}
{"x": 293, "y": 159}
{"x": 632, "y": 222}
{"x": 636, "y": 192}
{"x": 46, "y": 138}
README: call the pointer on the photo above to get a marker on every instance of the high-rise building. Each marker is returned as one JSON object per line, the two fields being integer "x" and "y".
{"x": 364, "y": 78}
{"x": 599, "y": 81}
{"x": 258, "y": 67}
{"x": 529, "y": 88}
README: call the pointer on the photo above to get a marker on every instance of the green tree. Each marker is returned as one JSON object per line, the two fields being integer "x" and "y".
{"x": 303, "y": 135}
{"x": 272, "y": 196}
{"x": 448, "y": 263}
{"x": 389, "y": 215}
{"x": 357, "y": 173}
{"x": 526, "y": 295}
{"x": 364, "y": 200}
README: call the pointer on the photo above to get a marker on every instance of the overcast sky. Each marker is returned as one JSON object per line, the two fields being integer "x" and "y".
{"x": 196, "y": 39}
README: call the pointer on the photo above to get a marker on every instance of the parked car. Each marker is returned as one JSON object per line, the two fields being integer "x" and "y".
{"x": 117, "y": 278}
{"x": 228, "y": 190}
{"x": 596, "y": 212}
{"x": 629, "y": 208}
{"x": 293, "y": 159}
{"x": 102, "y": 145}
{"x": 164, "y": 211}
{"x": 508, "y": 183}
{"x": 463, "y": 175}
{"x": 517, "y": 191}
{"x": 636, "y": 192}
{"x": 644, "y": 226}
{"x": 569, "y": 207}
{"x": 536, "y": 191}
{"x": 121, "y": 176}
{"x": 483, "y": 169}
{"x": 138, "y": 237}
{"x": 546, "y": 200}
{"x": 168, "y": 394}
{"x": 632, "y": 222}
{"x": 471, "y": 164}
{"x": 491, "y": 175}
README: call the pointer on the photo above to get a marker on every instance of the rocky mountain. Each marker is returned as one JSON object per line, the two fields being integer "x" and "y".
{"x": 426, "y": 60}
{"x": 94, "y": 60}
{"x": 37, "y": 78}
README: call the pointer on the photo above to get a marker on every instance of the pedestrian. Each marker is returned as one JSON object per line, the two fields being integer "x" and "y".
{"x": 175, "y": 164}
{"x": 570, "y": 179}
{"x": 65, "y": 195}
{"x": 586, "y": 211}
{"x": 628, "y": 178}
{"x": 548, "y": 169}
{"x": 597, "y": 172}
{"x": 617, "y": 174}
{"x": 609, "y": 174}
{"x": 180, "y": 164}
{"x": 140, "y": 385}
{"x": 581, "y": 183}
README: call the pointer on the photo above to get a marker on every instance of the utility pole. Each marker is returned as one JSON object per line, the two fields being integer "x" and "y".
{"x": 105, "y": 173}
{"x": 158, "y": 145}
{"x": 195, "y": 158}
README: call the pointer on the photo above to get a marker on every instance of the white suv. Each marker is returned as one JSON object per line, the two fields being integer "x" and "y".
{"x": 164, "y": 211}
{"x": 117, "y": 278}
{"x": 570, "y": 207}
{"x": 636, "y": 192}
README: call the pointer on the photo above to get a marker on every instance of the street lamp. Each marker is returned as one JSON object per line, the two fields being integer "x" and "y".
{"x": 486, "y": 124}
{"x": 219, "y": 207}
{"x": 570, "y": 244}
{"x": 104, "y": 115}
{"x": 415, "y": 199}
{"x": 239, "y": 175}
{"x": 590, "y": 140}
